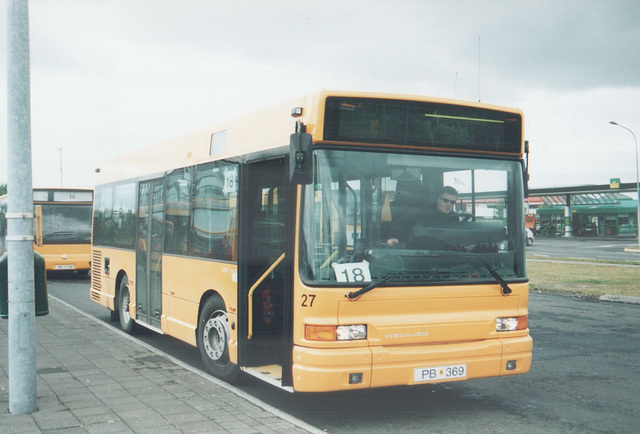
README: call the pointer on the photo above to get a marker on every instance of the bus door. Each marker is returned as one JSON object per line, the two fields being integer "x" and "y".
{"x": 262, "y": 267}
{"x": 149, "y": 252}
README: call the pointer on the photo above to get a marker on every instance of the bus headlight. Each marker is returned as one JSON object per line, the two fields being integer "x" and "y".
{"x": 352, "y": 332}
{"x": 335, "y": 333}
{"x": 513, "y": 323}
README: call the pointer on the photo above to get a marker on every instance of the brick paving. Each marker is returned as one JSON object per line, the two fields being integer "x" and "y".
{"x": 93, "y": 379}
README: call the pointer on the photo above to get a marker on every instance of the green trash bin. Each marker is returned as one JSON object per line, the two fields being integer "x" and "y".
{"x": 40, "y": 283}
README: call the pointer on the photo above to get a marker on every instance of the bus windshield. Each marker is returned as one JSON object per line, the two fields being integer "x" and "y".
{"x": 413, "y": 219}
{"x": 66, "y": 224}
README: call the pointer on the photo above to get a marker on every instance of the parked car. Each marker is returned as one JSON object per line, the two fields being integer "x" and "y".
{"x": 530, "y": 237}
{"x": 588, "y": 230}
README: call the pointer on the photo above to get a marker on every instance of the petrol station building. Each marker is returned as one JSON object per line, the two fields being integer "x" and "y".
{"x": 591, "y": 210}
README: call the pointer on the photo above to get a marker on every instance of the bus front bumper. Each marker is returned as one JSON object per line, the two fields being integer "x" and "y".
{"x": 70, "y": 262}
{"x": 323, "y": 370}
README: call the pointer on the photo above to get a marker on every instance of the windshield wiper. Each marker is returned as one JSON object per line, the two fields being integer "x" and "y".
{"x": 504, "y": 287}
{"x": 354, "y": 295}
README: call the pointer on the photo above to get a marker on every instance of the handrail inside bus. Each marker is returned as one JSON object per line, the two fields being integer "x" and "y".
{"x": 254, "y": 287}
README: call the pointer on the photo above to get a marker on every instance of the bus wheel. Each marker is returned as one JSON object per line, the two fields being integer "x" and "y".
{"x": 124, "y": 298}
{"x": 213, "y": 340}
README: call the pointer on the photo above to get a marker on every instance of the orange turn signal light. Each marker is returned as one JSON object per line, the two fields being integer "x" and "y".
{"x": 320, "y": 333}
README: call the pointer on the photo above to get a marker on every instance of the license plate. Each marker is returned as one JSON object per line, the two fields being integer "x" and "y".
{"x": 64, "y": 267}
{"x": 437, "y": 373}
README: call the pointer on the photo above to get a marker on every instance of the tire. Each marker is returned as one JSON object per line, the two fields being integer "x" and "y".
{"x": 115, "y": 316}
{"x": 213, "y": 340}
{"x": 82, "y": 274}
{"x": 124, "y": 298}
{"x": 529, "y": 241}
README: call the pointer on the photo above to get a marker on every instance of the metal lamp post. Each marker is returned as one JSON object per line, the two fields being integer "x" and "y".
{"x": 637, "y": 178}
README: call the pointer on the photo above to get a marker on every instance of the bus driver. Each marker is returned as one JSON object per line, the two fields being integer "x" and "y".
{"x": 445, "y": 204}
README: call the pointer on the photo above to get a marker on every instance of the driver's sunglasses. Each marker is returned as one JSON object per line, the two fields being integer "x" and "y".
{"x": 452, "y": 202}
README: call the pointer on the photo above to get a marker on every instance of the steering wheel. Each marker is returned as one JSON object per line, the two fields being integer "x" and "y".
{"x": 461, "y": 217}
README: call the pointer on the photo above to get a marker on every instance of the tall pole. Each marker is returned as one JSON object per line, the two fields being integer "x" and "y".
{"x": 21, "y": 303}
{"x": 637, "y": 179}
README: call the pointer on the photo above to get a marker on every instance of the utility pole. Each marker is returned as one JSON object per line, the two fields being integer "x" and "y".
{"x": 20, "y": 267}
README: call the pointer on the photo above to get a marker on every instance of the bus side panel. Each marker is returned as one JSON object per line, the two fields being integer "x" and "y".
{"x": 103, "y": 286}
{"x": 65, "y": 256}
{"x": 184, "y": 281}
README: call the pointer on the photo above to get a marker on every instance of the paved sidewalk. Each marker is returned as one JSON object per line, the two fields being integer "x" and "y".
{"x": 93, "y": 378}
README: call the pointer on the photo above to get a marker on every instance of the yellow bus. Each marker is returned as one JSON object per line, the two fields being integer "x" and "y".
{"x": 62, "y": 227}
{"x": 265, "y": 242}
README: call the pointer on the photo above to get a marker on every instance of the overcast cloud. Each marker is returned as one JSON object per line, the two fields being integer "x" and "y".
{"x": 108, "y": 76}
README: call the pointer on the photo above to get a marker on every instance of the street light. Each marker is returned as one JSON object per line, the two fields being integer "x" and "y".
{"x": 637, "y": 178}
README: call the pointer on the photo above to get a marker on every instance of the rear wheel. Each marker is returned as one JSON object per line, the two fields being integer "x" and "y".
{"x": 124, "y": 299}
{"x": 213, "y": 339}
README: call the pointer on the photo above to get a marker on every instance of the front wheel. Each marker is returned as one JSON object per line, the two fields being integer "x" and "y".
{"x": 213, "y": 340}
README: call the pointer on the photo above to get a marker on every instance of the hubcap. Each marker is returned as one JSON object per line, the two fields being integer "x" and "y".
{"x": 124, "y": 309}
{"x": 216, "y": 336}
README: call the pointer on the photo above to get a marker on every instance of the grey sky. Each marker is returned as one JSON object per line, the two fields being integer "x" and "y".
{"x": 109, "y": 76}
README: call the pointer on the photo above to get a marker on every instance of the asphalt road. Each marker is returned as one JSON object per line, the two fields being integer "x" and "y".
{"x": 585, "y": 248}
{"x": 585, "y": 378}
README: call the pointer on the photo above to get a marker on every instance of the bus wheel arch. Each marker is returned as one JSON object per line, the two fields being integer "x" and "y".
{"x": 213, "y": 338}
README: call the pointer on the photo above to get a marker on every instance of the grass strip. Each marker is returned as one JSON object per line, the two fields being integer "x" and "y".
{"x": 584, "y": 279}
{"x": 579, "y": 260}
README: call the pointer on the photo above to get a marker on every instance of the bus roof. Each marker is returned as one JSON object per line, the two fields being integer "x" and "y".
{"x": 263, "y": 130}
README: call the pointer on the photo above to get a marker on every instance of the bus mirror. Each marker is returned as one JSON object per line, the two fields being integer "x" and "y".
{"x": 526, "y": 169}
{"x": 301, "y": 168}
{"x": 39, "y": 225}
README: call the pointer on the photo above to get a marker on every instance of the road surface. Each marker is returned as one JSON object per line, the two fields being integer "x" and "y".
{"x": 584, "y": 378}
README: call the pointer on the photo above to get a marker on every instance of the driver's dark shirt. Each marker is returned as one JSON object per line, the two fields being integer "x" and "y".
{"x": 402, "y": 225}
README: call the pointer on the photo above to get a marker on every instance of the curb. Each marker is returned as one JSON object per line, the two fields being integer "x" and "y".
{"x": 626, "y": 299}
{"x": 205, "y": 376}
{"x": 607, "y": 298}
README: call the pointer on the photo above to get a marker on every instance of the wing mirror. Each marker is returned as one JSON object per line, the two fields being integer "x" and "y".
{"x": 300, "y": 156}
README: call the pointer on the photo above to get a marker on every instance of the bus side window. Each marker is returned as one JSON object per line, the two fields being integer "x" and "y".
{"x": 213, "y": 212}
{"x": 177, "y": 212}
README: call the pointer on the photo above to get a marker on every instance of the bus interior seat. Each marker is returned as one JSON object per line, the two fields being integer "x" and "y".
{"x": 409, "y": 194}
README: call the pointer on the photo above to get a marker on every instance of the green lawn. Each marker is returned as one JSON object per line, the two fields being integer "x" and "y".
{"x": 586, "y": 279}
